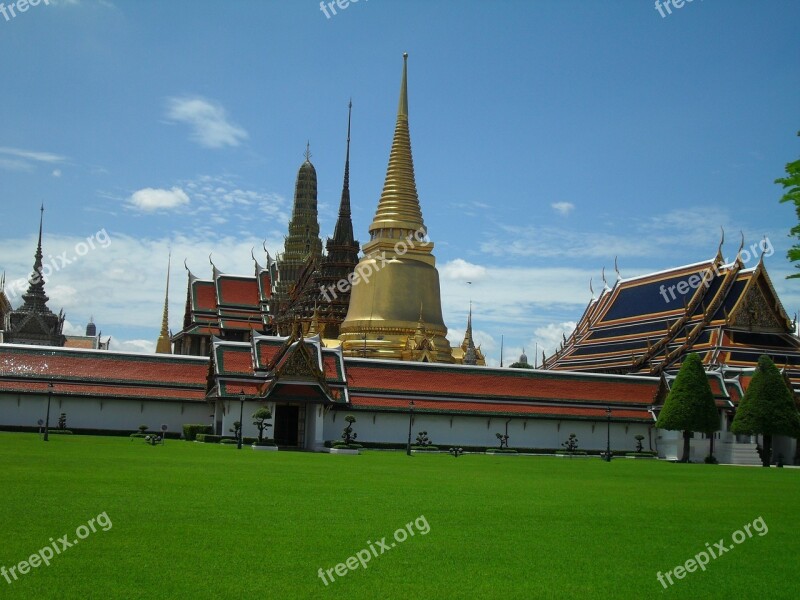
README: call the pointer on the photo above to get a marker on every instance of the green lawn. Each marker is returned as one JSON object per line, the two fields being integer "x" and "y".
{"x": 196, "y": 520}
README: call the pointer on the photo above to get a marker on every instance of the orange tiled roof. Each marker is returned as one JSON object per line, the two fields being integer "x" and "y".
{"x": 436, "y": 380}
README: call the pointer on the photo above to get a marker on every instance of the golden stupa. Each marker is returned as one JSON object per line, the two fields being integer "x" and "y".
{"x": 395, "y": 308}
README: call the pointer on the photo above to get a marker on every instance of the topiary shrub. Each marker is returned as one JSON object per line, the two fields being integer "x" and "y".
{"x": 347, "y": 435}
{"x": 639, "y": 438}
{"x": 143, "y": 428}
{"x": 261, "y": 416}
{"x": 571, "y": 445}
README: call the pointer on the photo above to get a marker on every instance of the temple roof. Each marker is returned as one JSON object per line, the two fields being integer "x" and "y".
{"x": 227, "y": 302}
{"x": 102, "y": 373}
{"x": 728, "y": 314}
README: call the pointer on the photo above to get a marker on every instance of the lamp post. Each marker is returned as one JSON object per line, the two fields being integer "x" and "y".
{"x": 410, "y": 419}
{"x": 241, "y": 419}
{"x": 47, "y": 417}
{"x": 608, "y": 434}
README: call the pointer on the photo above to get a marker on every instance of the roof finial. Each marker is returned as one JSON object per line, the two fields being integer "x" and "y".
{"x": 402, "y": 107}
{"x": 721, "y": 240}
{"x": 739, "y": 252}
{"x": 308, "y": 151}
{"x": 616, "y": 269}
{"x": 591, "y": 288}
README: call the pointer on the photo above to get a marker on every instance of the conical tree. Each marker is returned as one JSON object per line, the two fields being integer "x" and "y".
{"x": 690, "y": 404}
{"x": 767, "y": 408}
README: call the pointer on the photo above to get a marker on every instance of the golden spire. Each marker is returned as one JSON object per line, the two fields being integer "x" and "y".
{"x": 382, "y": 317}
{"x": 398, "y": 207}
{"x": 163, "y": 345}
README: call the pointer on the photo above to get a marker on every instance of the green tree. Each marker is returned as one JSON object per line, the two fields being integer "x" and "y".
{"x": 261, "y": 416}
{"x": 791, "y": 183}
{"x": 690, "y": 404}
{"x": 767, "y": 408}
{"x": 520, "y": 365}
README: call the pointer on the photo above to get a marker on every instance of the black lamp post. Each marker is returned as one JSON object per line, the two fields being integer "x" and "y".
{"x": 608, "y": 434}
{"x": 241, "y": 419}
{"x": 410, "y": 419}
{"x": 47, "y": 417}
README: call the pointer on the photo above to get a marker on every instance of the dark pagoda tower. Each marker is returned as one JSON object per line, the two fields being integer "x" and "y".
{"x": 340, "y": 260}
{"x": 34, "y": 322}
{"x": 301, "y": 255}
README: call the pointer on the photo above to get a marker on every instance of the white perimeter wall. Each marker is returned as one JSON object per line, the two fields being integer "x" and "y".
{"x": 94, "y": 413}
{"x": 462, "y": 430}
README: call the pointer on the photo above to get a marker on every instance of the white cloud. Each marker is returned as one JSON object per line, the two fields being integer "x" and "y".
{"x": 461, "y": 270}
{"x": 563, "y": 208}
{"x": 56, "y": 172}
{"x": 208, "y": 121}
{"x": 152, "y": 199}
{"x": 25, "y": 160}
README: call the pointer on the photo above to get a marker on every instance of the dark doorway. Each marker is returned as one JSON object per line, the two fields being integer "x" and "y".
{"x": 286, "y": 420}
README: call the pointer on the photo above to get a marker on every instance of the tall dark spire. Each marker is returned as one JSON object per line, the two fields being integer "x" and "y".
{"x": 341, "y": 257}
{"x": 35, "y": 300}
{"x": 34, "y": 322}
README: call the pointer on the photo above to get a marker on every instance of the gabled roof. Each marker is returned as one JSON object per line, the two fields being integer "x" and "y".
{"x": 726, "y": 313}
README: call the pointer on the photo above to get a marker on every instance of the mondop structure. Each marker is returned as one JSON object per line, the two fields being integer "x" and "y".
{"x": 313, "y": 334}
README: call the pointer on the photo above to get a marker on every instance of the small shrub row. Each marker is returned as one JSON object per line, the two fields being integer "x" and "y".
{"x": 190, "y": 431}
{"x": 501, "y": 451}
{"x": 263, "y": 442}
{"x": 426, "y": 448}
{"x": 208, "y": 438}
{"x": 644, "y": 453}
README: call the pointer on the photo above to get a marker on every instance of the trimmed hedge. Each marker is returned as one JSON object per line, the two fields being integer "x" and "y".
{"x": 264, "y": 442}
{"x": 208, "y": 438}
{"x": 501, "y": 451}
{"x": 190, "y": 431}
{"x": 425, "y": 448}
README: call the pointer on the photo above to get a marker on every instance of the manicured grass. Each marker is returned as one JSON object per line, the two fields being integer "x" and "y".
{"x": 207, "y": 521}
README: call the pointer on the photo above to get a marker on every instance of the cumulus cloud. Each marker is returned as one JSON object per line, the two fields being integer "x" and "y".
{"x": 461, "y": 270}
{"x": 208, "y": 120}
{"x": 152, "y": 199}
{"x": 563, "y": 208}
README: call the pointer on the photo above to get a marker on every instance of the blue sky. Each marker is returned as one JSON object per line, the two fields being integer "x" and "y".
{"x": 548, "y": 137}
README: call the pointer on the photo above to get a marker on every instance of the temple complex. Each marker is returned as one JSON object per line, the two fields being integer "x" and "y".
{"x": 311, "y": 335}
